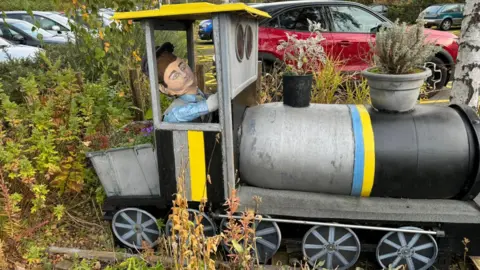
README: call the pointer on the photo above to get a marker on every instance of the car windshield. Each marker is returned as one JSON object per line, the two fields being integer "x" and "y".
{"x": 4, "y": 43}
{"x": 376, "y": 8}
{"x": 61, "y": 19}
{"x": 27, "y": 28}
{"x": 432, "y": 9}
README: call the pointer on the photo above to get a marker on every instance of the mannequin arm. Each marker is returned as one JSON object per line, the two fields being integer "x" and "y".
{"x": 187, "y": 112}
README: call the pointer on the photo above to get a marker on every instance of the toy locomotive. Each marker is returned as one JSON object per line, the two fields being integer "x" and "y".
{"x": 329, "y": 175}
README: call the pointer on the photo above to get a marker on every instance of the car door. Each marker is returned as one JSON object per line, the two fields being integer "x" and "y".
{"x": 458, "y": 15}
{"x": 11, "y": 35}
{"x": 293, "y": 21}
{"x": 352, "y": 29}
{"x": 51, "y": 26}
{"x": 452, "y": 12}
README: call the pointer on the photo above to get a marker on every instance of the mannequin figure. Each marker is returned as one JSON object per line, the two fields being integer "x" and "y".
{"x": 177, "y": 79}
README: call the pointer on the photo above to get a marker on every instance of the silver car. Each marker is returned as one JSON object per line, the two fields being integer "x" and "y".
{"x": 25, "y": 33}
{"x": 12, "y": 51}
{"x": 51, "y": 22}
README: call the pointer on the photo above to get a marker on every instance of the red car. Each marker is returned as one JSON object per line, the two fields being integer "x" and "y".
{"x": 348, "y": 26}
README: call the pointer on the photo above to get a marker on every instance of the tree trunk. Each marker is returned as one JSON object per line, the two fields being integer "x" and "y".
{"x": 466, "y": 83}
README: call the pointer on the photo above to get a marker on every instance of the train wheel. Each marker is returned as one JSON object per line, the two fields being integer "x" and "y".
{"x": 131, "y": 226}
{"x": 209, "y": 228}
{"x": 417, "y": 251}
{"x": 337, "y": 248}
{"x": 268, "y": 239}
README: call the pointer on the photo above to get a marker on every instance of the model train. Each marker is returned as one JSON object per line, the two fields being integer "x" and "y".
{"x": 335, "y": 172}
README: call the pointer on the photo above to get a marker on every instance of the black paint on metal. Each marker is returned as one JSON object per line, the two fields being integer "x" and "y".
{"x": 166, "y": 165}
{"x": 214, "y": 166}
{"x": 423, "y": 154}
{"x": 297, "y": 90}
{"x": 472, "y": 122}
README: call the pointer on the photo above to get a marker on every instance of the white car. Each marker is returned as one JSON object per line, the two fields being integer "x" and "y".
{"x": 12, "y": 51}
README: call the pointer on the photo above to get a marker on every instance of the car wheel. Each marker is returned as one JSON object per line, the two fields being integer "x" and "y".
{"x": 446, "y": 25}
{"x": 439, "y": 77}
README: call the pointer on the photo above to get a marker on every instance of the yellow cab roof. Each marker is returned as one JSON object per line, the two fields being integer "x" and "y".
{"x": 189, "y": 11}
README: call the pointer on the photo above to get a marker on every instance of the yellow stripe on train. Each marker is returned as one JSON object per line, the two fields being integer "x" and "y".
{"x": 198, "y": 175}
{"x": 369, "y": 153}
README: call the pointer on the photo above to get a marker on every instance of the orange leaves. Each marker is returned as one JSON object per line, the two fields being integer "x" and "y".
{"x": 106, "y": 46}
{"x": 136, "y": 56}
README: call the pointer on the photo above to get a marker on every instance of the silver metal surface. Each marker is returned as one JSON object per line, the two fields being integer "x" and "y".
{"x": 131, "y": 226}
{"x": 152, "y": 72}
{"x": 305, "y": 222}
{"x": 182, "y": 162}
{"x": 338, "y": 249}
{"x": 222, "y": 53}
{"x": 191, "y": 45}
{"x": 245, "y": 71}
{"x": 417, "y": 251}
{"x": 189, "y": 126}
{"x": 312, "y": 205}
{"x": 127, "y": 171}
{"x": 303, "y": 149}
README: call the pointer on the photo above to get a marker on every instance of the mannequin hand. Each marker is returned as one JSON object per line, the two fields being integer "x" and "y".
{"x": 212, "y": 102}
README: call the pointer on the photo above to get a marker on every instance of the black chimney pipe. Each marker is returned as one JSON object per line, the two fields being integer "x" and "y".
{"x": 297, "y": 90}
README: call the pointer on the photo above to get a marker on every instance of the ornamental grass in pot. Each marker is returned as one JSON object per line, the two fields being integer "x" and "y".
{"x": 399, "y": 55}
{"x": 302, "y": 58}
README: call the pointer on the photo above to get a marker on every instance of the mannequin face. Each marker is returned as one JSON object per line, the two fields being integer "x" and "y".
{"x": 179, "y": 78}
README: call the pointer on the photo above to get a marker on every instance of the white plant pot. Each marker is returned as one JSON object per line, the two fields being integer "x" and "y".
{"x": 395, "y": 93}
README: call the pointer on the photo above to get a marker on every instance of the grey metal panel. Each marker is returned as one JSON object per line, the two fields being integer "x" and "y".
{"x": 147, "y": 160}
{"x": 222, "y": 53}
{"x": 477, "y": 200}
{"x": 244, "y": 72}
{"x": 182, "y": 164}
{"x": 326, "y": 206}
{"x": 128, "y": 174}
{"x": 101, "y": 164}
{"x": 303, "y": 149}
{"x": 127, "y": 171}
{"x": 191, "y": 45}
{"x": 190, "y": 126}
{"x": 152, "y": 73}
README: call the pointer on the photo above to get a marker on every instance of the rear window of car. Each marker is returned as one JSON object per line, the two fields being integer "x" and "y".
{"x": 433, "y": 9}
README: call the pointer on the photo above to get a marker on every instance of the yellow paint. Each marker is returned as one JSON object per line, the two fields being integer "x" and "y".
{"x": 204, "y": 47}
{"x": 191, "y": 11}
{"x": 211, "y": 82}
{"x": 434, "y": 101}
{"x": 476, "y": 261}
{"x": 369, "y": 145}
{"x": 198, "y": 175}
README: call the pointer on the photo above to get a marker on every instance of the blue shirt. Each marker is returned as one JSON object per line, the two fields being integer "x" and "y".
{"x": 193, "y": 107}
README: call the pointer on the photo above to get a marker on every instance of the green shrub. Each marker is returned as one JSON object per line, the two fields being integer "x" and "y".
{"x": 12, "y": 70}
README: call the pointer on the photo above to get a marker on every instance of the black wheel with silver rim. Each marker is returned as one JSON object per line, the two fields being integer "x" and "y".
{"x": 337, "y": 248}
{"x": 132, "y": 226}
{"x": 209, "y": 228}
{"x": 446, "y": 25}
{"x": 267, "y": 242}
{"x": 415, "y": 250}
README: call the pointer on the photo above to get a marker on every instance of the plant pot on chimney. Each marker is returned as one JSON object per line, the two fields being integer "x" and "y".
{"x": 400, "y": 52}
